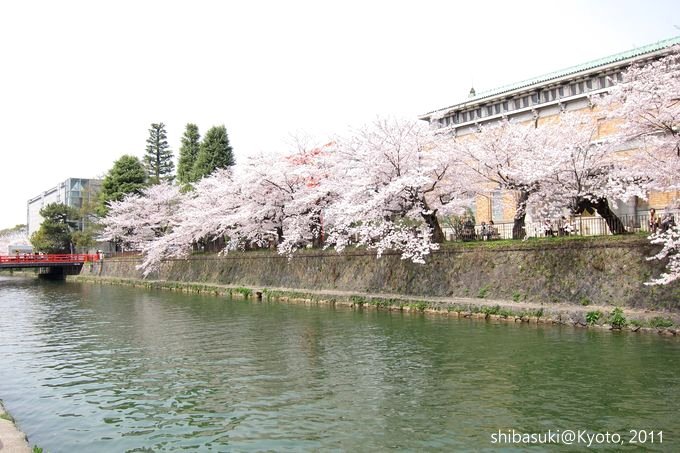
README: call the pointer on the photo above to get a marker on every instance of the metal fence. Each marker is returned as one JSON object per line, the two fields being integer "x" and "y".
{"x": 574, "y": 226}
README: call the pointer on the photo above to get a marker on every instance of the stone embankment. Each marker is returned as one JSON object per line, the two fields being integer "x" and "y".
{"x": 11, "y": 439}
{"x": 587, "y": 272}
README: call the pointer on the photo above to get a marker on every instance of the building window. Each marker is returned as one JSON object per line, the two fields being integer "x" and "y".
{"x": 525, "y": 101}
{"x": 572, "y": 89}
{"x": 505, "y": 106}
{"x": 497, "y": 108}
{"x": 534, "y": 99}
{"x": 619, "y": 77}
{"x": 560, "y": 90}
{"x": 602, "y": 82}
{"x": 589, "y": 84}
{"x": 518, "y": 104}
{"x": 489, "y": 110}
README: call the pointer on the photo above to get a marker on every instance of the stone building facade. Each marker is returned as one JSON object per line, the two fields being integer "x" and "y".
{"x": 539, "y": 100}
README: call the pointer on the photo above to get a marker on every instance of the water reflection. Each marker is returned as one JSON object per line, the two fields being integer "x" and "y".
{"x": 97, "y": 368}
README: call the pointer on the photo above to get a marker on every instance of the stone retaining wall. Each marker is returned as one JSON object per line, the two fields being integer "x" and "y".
{"x": 596, "y": 271}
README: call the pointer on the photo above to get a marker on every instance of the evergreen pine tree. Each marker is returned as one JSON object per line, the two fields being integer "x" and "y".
{"x": 188, "y": 153}
{"x": 215, "y": 152}
{"x": 158, "y": 158}
{"x": 126, "y": 176}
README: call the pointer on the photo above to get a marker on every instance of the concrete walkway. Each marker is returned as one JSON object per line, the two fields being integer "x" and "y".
{"x": 11, "y": 439}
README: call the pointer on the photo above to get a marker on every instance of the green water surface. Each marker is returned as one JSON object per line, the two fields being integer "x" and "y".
{"x": 104, "y": 369}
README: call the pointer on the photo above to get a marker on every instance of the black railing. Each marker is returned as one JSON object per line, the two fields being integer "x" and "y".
{"x": 574, "y": 226}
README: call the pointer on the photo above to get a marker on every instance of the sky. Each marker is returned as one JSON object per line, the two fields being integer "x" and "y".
{"x": 81, "y": 81}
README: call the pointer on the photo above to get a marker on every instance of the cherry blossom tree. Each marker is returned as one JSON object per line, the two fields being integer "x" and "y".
{"x": 274, "y": 200}
{"x": 505, "y": 155}
{"x": 670, "y": 242}
{"x": 283, "y": 199}
{"x": 393, "y": 179}
{"x": 647, "y": 105}
{"x": 204, "y": 215}
{"x": 580, "y": 173}
{"x": 139, "y": 219}
{"x": 18, "y": 236}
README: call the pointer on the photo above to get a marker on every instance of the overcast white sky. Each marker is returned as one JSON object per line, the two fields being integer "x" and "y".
{"x": 81, "y": 81}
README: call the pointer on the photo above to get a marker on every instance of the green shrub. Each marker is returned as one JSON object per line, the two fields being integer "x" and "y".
{"x": 496, "y": 309}
{"x": 505, "y": 313}
{"x": 358, "y": 300}
{"x": 483, "y": 292}
{"x": 419, "y": 306}
{"x": 245, "y": 292}
{"x": 592, "y": 317}
{"x": 585, "y": 301}
{"x": 516, "y": 296}
{"x": 616, "y": 318}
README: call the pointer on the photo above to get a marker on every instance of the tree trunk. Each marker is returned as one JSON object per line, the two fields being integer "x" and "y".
{"x": 433, "y": 223}
{"x": 279, "y": 234}
{"x": 518, "y": 227}
{"x": 601, "y": 206}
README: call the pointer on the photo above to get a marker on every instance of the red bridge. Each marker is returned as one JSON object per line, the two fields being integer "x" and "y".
{"x": 50, "y": 266}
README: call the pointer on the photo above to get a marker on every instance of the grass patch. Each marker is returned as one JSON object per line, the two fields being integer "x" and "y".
{"x": 419, "y": 306}
{"x": 245, "y": 292}
{"x": 658, "y": 321}
{"x": 483, "y": 291}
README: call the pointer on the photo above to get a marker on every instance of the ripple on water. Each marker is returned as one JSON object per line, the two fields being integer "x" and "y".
{"x": 89, "y": 368}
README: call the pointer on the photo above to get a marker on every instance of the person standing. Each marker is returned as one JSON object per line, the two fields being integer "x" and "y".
{"x": 653, "y": 221}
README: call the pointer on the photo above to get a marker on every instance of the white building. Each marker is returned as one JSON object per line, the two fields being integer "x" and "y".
{"x": 73, "y": 192}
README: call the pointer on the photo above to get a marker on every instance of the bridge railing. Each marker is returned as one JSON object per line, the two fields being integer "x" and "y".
{"x": 48, "y": 259}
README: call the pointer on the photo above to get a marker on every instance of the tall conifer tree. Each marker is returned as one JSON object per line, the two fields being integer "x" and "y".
{"x": 158, "y": 158}
{"x": 126, "y": 176}
{"x": 188, "y": 153}
{"x": 215, "y": 153}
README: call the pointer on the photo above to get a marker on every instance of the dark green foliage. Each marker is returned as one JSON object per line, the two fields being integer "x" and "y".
{"x": 616, "y": 318}
{"x": 592, "y": 317}
{"x": 55, "y": 234}
{"x": 215, "y": 152}
{"x": 126, "y": 176}
{"x": 188, "y": 153}
{"x": 158, "y": 158}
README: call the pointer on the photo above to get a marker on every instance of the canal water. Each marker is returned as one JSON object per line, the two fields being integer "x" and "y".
{"x": 100, "y": 369}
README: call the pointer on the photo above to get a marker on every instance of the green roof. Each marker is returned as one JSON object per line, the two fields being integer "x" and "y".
{"x": 570, "y": 70}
